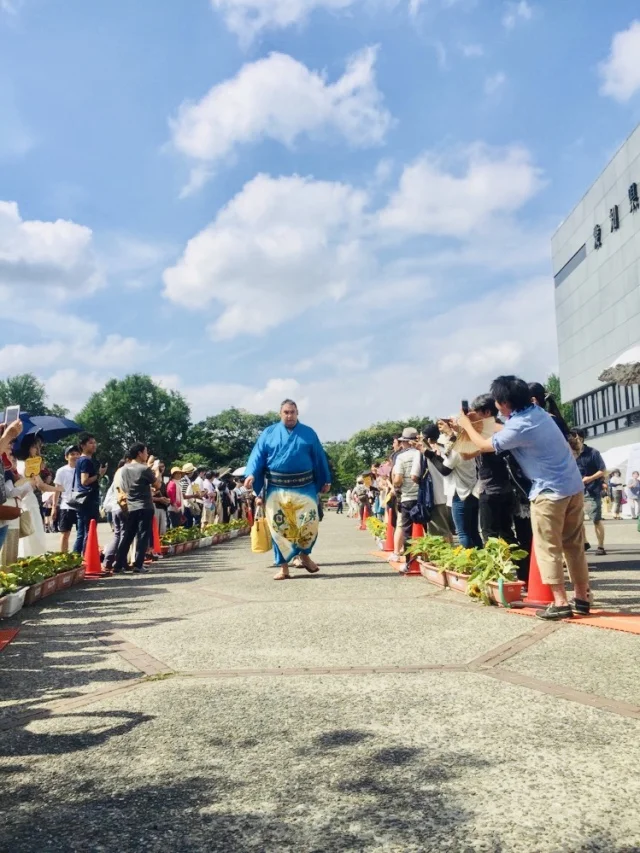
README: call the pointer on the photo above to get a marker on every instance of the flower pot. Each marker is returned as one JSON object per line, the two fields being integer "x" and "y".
{"x": 65, "y": 579}
{"x": 432, "y": 573}
{"x": 11, "y": 603}
{"x": 511, "y": 592}
{"x": 457, "y": 581}
{"x": 34, "y": 593}
{"x": 206, "y": 542}
{"x": 78, "y": 575}
{"x": 233, "y": 534}
{"x": 179, "y": 547}
{"x": 165, "y": 550}
{"x": 49, "y": 587}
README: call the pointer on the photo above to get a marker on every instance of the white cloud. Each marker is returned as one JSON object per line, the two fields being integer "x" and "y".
{"x": 214, "y": 397}
{"x": 494, "y": 83}
{"x": 472, "y": 51}
{"x": 465, "y": 347}
{"x": 620, "y": 72}
{"x": 114, "y": 350}
{"x": 515, "y": 13}
{"x": 281, "y": 99}
{"x": 71, "y": 388}
{"x": 57, "y": 255}
{"x": 247, "y": 18}
{"x": 279, "y": 247}
{"x": 433, "y": 199}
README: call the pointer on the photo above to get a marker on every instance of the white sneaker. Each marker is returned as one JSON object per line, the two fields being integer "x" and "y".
{"x": 394, "y": 558}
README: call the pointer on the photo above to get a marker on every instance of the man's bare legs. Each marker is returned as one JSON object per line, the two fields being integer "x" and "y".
{"x": 64, "y": 541}
{"x": 283, "y": 574}
{"x": 599, "y": 528}
{"x": 308, "y": 563}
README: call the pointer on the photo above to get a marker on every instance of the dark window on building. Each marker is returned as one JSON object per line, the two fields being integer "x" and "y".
{"x": 570, "y": 266}
{"x": 634, "y": 198}
{"x": 608, "y": 409}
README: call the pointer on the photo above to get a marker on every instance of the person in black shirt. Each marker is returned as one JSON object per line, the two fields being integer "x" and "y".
{"x": 496, "y": 490}
{"x": 86, "y": 480}
{"x": 593, "y": 469}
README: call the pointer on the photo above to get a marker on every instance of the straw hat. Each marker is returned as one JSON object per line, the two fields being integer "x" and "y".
{"x": 176, "y": 470}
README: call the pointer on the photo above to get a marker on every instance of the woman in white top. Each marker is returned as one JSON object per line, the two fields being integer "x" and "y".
{"x": 36, "y": 543}
{"x": 616, "y": 487}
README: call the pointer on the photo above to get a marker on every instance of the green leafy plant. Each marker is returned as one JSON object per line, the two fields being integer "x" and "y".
{"x": 9, "y": 582}
{"x": 432, "y": 549}
{"x": 494, "y": 562}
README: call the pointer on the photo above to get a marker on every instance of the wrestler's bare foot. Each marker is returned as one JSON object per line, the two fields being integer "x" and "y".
{"x": 283, "y": 574}
{"x": 308, "y": 563}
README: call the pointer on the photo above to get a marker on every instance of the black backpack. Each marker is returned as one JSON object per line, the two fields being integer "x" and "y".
{"x": 421, "y": 512}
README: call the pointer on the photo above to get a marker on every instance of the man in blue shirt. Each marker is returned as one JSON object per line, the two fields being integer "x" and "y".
{"x": 592, "y": 468}
{"x": 557, "y": 490}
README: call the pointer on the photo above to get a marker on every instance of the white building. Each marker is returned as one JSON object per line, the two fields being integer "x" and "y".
{"x": 596, "y": 263}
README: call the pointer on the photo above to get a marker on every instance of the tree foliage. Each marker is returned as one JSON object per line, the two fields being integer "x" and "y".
{"x": 26, "y": 391}
{"x": 552, "y": 386}
{"x": 348, "y": 459}
{"x": 136, "y": 409}
{"x": 226, "y": 439}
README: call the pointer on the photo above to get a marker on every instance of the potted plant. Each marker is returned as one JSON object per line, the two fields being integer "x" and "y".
{"x": 430, "y": 551}
{"x": 12, "y": 594}
{"x": 458, "y": 565}
{"x": 494, "y": 579}
{"x": 377, "y": 529}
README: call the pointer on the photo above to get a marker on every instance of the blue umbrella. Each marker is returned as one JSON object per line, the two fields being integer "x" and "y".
{"x": 50, "y": 428}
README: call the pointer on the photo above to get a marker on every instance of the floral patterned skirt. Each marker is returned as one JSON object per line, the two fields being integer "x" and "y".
{"x": 292, "y": 515}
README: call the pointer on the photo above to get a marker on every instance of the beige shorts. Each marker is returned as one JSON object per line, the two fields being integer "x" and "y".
{"x": 558, "y": 529}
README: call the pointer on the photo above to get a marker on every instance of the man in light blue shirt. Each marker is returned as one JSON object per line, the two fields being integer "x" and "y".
{"x": 557, "y": 490}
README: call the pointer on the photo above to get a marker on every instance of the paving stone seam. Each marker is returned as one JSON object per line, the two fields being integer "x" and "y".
{"x": 559, "y": 691}
{"x": 507, "y": 650}
{"x": 133, "y": 654}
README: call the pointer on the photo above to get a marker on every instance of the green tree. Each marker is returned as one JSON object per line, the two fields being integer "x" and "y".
{"x": 28, "y": 392}
{"x": 226, "y": 439}
{"x": 552, "y": 386}
{"x": 136, "y": 409}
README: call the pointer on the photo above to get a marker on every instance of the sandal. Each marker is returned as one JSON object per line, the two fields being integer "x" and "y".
{"x": 282, "y": 576}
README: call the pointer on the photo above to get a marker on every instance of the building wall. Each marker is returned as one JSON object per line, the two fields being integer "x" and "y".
{"x": 598, "y": 301}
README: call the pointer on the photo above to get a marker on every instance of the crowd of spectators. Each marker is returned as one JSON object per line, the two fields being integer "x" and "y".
{"x": 37, "y": 502}
{"x": 508, "y": 467}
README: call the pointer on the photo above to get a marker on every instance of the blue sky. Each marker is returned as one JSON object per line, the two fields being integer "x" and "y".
{"x": 349, "y": 202}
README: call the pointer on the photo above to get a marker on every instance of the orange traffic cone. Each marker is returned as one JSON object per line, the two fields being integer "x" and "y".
{"x": 388, "y": 545}
{"x": 365, "y": 516}
{"x": 414, "y": 567}
{"x": 538, "y": 593}
{"x": 157, "y": 545}
{"x": 249, "y": 517}
{"x": 417, "y": 531}
{"x": 93, "y": 567}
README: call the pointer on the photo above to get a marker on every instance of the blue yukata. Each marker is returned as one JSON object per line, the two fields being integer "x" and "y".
{"x": 292, "y": 467}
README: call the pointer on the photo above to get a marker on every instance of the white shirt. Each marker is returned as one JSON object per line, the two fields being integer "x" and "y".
{"x": 408, "y": 464}
{"x": 64, "y": 477}
{"x": 464, "y": 476}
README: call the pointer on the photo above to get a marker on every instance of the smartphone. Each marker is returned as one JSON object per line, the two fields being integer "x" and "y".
{"x": 11, "y": 414}
{"x": 464, "y": 405}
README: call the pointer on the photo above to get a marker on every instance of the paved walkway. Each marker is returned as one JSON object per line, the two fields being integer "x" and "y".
{"x": 207, "y": 708}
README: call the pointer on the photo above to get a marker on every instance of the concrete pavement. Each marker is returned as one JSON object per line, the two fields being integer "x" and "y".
{"x": 206, "y": 707}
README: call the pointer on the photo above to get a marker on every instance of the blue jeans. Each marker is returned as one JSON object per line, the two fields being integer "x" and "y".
{"x": 3, "y": 534}
{"x": 465, "y": 518}
{"x": 90, "y": 510}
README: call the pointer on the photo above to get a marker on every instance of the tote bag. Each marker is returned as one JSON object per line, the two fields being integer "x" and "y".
{"x": 260, "y": 534}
